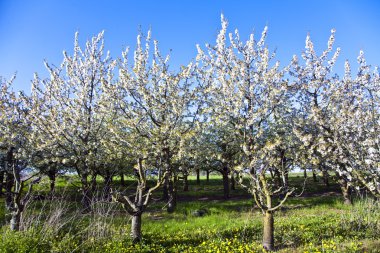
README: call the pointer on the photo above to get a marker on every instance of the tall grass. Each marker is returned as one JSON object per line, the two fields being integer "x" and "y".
{"x": 363, "y": 217}
{"x": 307, "y": 224}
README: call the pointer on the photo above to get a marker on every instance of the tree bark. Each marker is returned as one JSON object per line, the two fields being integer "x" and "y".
{"x": 185, "y": 183}
{"x": 9, "y": 182}
{"x": 198, "y": 176}
{"x": 15, "y": 221}
{"x": 2, "y": 175}
{"x": 326, "y": 178}
{"x": 172, "y": 194}
{"x": 345, "y": 187}
{"x": 165, "y": 189}
{"x": 277, "y": 175}
{"x": 233, "y": 181}
{"x": 226, "y": 186}
{"x": 93, "y": 182}
{"x": 345, "y": 191}
{"x": 122, "y": 181}
{"x": 268, "y": 234}
{"x": 286, "y": 181}
{"x": 52, "y": 176}
{"x": 136, "y": 228}
{"x": 207, "y": 176}
{"x": 315, "y": 179}
{"x": 347, "y": 195}
{"x": 86, "y": 194}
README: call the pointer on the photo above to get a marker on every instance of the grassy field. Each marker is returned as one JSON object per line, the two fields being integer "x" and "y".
{"x": 203, "y": 222}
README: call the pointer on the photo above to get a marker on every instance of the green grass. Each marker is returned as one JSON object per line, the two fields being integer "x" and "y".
{"x": 314, "y": 222}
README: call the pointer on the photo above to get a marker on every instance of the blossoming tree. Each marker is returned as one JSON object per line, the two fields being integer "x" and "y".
{"x": 158, "y": 108}
{"x": 71, "y": 110}
{"x": 355, "y": 124}
{"x": 17, "y": 151}
{"x": 244, "y": 90}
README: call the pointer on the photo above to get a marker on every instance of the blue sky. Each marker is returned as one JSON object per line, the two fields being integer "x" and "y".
{"x": 31, "y": 31}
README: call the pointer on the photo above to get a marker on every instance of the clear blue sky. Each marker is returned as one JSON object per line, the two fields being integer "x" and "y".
{"x": 31, "y": 31}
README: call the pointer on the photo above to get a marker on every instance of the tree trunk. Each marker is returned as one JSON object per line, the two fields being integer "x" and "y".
{"x": 268, "y": 234}
{"x": 9, "y": 182}
{"x": 233, "y": 181}
{"x": 15, "y": 221}
{"x": 107, "y": 186}
{"x": 122, "y": 181}
{"x": 165, "y": 189}
{"x": 347, "y": 196}
{"x": 226, "y": 186}
{"x": 185, "y": 183}
{"x": 326, "y": 178}
{"x": 2, "y": 175}
{"x": 172, "y": 194}
{"x": 344, "y": 186}
{"x": 286, "y": 180}
{"x": 277, "y": 175}
{"x": 284, "y": 183}
{"x": 315, "y": 179}
{"x": 93, "y": 182}
{"x": 86, "y": 194}
{"x": 136, "y": 228}
{"x": 345, "y": 191}
{"x": 198, "y": 176}
{"x": 207, "y": 176}
{"x": 52, "y": 175}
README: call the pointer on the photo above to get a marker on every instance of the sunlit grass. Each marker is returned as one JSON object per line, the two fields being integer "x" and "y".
{"x": 203, "y": 222}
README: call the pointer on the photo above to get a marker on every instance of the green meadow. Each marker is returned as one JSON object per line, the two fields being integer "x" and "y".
{"x": 316, "y": 221}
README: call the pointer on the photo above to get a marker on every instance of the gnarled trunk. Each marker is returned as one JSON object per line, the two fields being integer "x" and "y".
{"x": 9, "y": 182}
{"x": 345, "y": 191}
{"x": 136, "y": 206}
{"x": 268, "y": 233}
{"x": 172, "y": 194}
{"x": 86, "y": 194}
{"x": 15, "y": 221}
{"x": 52, "y": 175}
{"x": 165, "y": 189}
{"x": 226, "y": 186}
{"x": 346, "y": 195}
{"x": 345, "y": 187}
{"x": 136, "y": 228}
